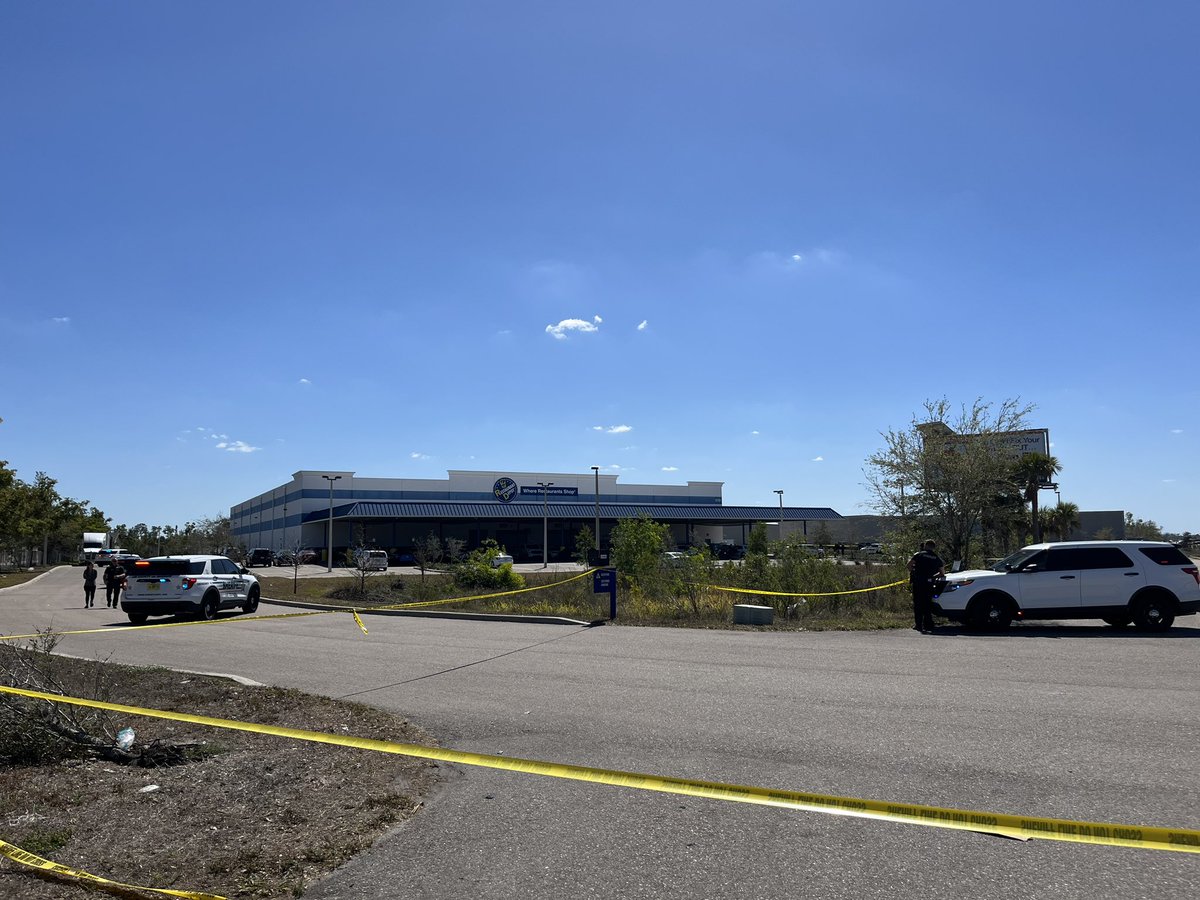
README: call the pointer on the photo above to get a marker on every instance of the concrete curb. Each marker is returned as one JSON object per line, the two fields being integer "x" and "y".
{"x": 437, "y": 614}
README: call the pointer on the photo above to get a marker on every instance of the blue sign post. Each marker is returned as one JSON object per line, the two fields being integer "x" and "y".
{"x": 604, "y": 581}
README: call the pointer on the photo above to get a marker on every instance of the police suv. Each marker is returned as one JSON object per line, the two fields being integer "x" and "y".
{"x": 190, "y": 585}
{"x": 1147, "y": 583}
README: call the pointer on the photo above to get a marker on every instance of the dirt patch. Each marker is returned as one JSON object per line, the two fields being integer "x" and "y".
{"x": 251, "y": 816}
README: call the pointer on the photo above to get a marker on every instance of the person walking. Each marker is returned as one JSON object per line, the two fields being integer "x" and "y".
{"x": 89, "y": 585}
{"x": 117, "y": 571}
{"x": 923, "y": 567}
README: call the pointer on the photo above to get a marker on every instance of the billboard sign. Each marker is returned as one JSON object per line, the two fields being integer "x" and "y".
{"x": 1011, "y": 445}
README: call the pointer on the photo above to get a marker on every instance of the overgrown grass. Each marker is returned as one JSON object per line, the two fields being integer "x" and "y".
{"x": 689, "y": 596}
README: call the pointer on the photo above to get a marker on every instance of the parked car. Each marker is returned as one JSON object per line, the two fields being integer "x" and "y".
{"x": 500, "y": 559}
{"x": 402, "y": 557}
{"x": 192, "y": 585}
{"x": 371, "y": 560}
{"x": 1148, "y": 583}
{"x": 871, "y": 547}
{"x": 285, "y": 558}
{"x": 310, "y": 555}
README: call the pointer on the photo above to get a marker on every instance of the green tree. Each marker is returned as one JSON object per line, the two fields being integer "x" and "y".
{"x": 1141, "y": 529}
{"x": 1064, "y": 518}
{"x": 758, "y": 542}
{"x": 637, "y": 547}
{"x": 585, "y": 545}
{"x": 427, "y": 552}
{"x": 1032, "y": 471}
{"x": 946, "y": 474}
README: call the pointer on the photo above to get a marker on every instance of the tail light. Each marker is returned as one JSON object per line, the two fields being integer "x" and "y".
{"x": 1194, "y": 571}
{"x": 186, "y": 583}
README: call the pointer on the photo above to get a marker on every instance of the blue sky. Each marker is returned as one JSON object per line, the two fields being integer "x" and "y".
{"x": 722, "y": 241}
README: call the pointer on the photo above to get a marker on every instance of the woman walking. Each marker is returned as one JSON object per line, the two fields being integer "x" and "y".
{"x": 89, "y": 585}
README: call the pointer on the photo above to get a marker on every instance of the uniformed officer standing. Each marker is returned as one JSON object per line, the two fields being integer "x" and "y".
{"x": 923, "y": 567}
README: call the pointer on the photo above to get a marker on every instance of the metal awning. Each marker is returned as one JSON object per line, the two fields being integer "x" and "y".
{"x": 416, "y": 509}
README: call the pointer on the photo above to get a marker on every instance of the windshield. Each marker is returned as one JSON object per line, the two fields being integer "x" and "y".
{"x": 1014, "y": 562}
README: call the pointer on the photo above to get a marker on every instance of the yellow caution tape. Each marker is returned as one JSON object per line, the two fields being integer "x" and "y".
{"x": 25, "y": 858}
{"x": 540, "y": 587}
{"x": 1021, "y": 827}
{"x": 809, "y": 594}
{"x": 295, "y": 615}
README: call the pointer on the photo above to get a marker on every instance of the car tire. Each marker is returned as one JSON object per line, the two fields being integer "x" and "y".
{"x": 992, "y": 611}
{"x": 137, "y": 618}
{"x": 1153, "y": 612}
{"x": 209, "y": 607}
{"x": 251, "y": 604}
{"x": 1118, "y": 621}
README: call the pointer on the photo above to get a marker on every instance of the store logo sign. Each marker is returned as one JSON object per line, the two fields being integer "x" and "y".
{"x": 504, "y": 489}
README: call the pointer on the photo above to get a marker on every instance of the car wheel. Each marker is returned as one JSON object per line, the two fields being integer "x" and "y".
{"x": 1118, "y": 621}
{"x": 1153, "y": 613}
{"x": 137, "y": 618}
{"x": 990, "y": 612}
{"x": 251, "y": 604}
{"x": 209, "y": 607}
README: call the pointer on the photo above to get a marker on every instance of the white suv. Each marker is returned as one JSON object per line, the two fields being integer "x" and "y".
{"x": 1148, "y": 583}
{"x": 194, "y": 585}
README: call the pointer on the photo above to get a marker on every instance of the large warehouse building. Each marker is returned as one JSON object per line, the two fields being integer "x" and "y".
{"x": 509, "y": 507}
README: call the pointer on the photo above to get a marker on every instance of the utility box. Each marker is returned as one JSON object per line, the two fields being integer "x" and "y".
{"x": 746, "y": 614}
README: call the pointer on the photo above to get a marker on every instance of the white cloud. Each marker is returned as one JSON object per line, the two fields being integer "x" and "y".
{"x": 61, "y": 320}
{"x": 818, "y": 459}
{"x": 1168, "y": 481}
{"x": 754, "y": 432}
{"x": 416, "y": 454}
{"x": 303, "y": 381}
{"x": 563, "y": 328}
{"x": 236, "y": 447}
{"x": 670, "y": 468}
{"x": 771, "y": 261}
{"x": 642, "y": 324}
{"x": 613, "y": 429}
{"x": 1176, "y": 431}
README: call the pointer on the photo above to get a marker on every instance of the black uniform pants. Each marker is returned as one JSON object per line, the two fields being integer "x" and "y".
{"x": 922, "y": 596}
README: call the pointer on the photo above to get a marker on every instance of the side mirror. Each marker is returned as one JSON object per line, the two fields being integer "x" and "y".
{"x": 243, "y": 570}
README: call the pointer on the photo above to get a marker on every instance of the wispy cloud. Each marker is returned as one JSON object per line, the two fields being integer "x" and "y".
{"x": 566, "y": 326}
{"x": 670, "y": 468}
{"x": 642, "y": 324}
{"x": 1176, "y": 431}
{"x": 797, "y": 260}
{"x": 236, "y": 447}
{"x": 61, "y": 320}
{"x": 417, "y": 454}
{"x": 818, "y": 459}
{"x": 303, "y": 381}
{"x": 754, "y": 432}
{"x": 613, "y": 429}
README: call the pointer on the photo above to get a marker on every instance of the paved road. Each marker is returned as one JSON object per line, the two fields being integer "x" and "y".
{"x": 1072, "y": 721}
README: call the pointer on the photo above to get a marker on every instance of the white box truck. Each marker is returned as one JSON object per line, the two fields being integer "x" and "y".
{"x": 93, "y": 543}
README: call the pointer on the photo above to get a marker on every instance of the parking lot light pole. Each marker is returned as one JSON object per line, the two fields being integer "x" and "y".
{"x": 780, "y": 493}
{"x": 329, "y": 539}
{"x": 596, "y": 469}
{"x": 545, "y": 485}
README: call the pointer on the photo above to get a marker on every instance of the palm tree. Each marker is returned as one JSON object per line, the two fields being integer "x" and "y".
{"x": 1031, "y": 472}
{"x": 1064, "y": 518}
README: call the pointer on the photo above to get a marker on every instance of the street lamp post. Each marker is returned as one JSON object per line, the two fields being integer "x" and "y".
{"x": 329, "y": 538}
{"x": 545, "y": 485}
{"x": 596, "y": 469}
{"x": 780, "y": 493}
